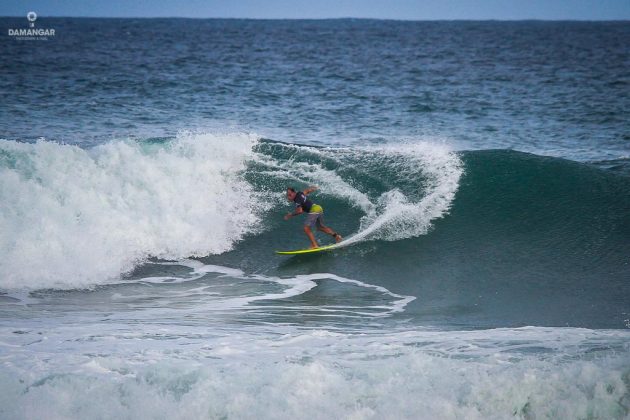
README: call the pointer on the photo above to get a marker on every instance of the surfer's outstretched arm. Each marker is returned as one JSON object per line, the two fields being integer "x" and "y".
{"x": 309, "y": 190}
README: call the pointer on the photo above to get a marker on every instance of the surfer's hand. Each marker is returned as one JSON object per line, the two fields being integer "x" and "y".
{"x": 287, "y": 216}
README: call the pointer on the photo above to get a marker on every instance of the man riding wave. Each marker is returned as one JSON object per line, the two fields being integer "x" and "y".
{"x": 314, "y": 214}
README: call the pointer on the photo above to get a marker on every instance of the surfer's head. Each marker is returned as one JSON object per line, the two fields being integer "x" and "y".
{"x": 290, "y": 193}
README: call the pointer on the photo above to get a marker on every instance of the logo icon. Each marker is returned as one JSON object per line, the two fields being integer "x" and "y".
{"x": 32, "y": 17}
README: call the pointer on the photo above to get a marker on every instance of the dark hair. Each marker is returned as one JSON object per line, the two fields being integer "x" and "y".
{"x": 290, "y": 189}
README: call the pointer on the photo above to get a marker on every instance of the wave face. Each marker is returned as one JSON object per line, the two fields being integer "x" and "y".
{"x": 512, "y": 238}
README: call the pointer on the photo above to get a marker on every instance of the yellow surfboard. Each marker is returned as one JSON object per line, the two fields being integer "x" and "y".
{"x": 308, "y": 251}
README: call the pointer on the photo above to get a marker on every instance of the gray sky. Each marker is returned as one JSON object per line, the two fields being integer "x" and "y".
{"x": 317, "y": 9}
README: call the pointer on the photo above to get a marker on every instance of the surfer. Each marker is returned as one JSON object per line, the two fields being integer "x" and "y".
{"x": 314, "y": 216}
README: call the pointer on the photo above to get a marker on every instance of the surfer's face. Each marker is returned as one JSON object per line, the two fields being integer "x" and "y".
{"x": 290, "y": 195}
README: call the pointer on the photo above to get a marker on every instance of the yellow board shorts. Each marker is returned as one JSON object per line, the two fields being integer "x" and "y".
{"x": 315, "y": 216}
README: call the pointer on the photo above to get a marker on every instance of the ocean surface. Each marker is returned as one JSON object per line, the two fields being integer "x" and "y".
{"x": 479, "y": 171}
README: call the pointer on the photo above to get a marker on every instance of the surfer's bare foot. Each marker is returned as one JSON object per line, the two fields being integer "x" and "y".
{"x": 314, "y": 246}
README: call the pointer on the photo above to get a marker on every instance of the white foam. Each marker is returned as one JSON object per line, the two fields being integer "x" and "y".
{"x": 252, "y": 373}
{"x": 72, "y": 217}
{"x": 290, "y": 287}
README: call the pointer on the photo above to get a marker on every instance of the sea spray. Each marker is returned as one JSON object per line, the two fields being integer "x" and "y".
{"x": 400, "y": 188}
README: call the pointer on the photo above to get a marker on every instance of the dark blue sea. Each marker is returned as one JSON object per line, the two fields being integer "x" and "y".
{"x": 478, "y": 171}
